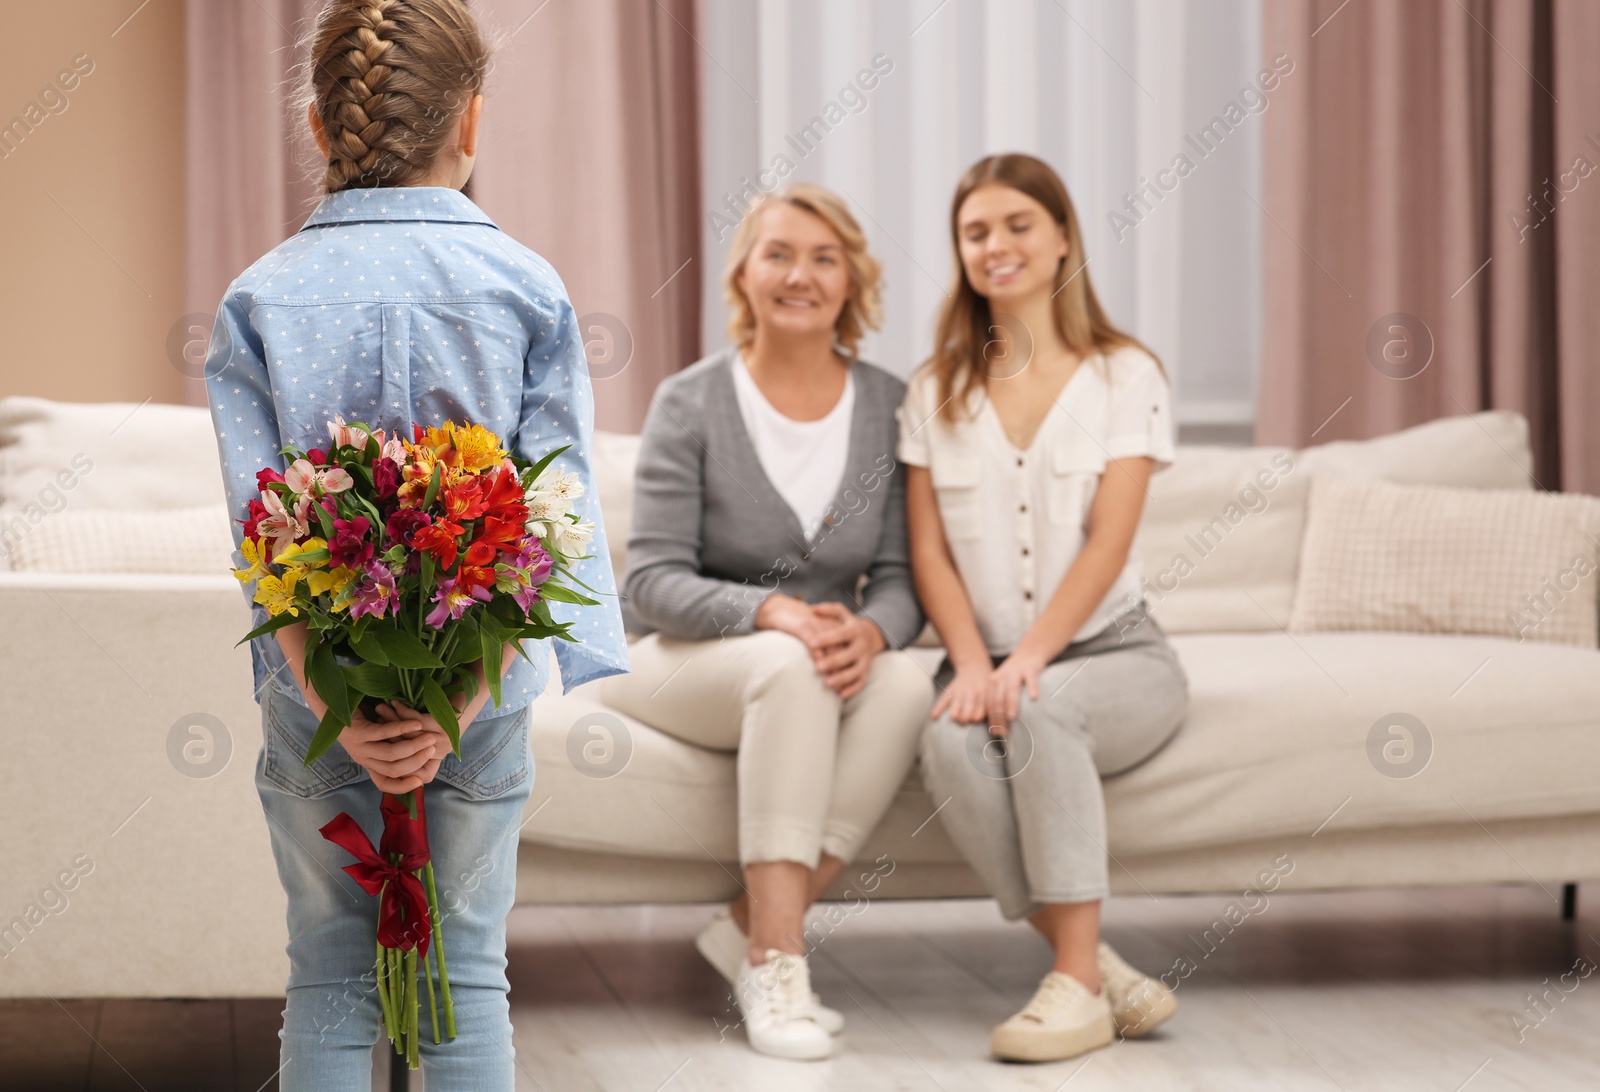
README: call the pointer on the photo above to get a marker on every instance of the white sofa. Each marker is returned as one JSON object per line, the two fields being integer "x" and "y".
{"x": 137, "y": 868}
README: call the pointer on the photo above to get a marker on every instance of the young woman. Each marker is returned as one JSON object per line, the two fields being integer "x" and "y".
{"x": 766, "y": 494}
{"x": 1028, "y": 439}
{"x": 399, "y": 301}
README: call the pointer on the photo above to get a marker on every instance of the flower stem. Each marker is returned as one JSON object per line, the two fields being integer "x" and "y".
{"x": 413, "y": 1004}
{"x": 438, "y": 947}
{"x": 433, "y": 1002}
{"x": 383, "y": 992}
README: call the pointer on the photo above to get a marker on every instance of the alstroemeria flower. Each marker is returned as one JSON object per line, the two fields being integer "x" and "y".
{"x": 376, "y": 594}
{"x": 453, "y": 601}
{"x": 277, "y": 594}
{"x": 571, "y": 539}
{"x": 255, "y": 561}
{"x": 332, "y": 580}
{"x": 405, "y": 523}
{"x": 350, "y": 546}
{"x": 523, "y": 576}
{"x": 385, "y": 477}
{"x": 279, "y": 524}
{"x": 303, "y": 474}
{"x": 290, "y": 556}
{"x": 439, "y": 539}
{"x": 348, "y": 435}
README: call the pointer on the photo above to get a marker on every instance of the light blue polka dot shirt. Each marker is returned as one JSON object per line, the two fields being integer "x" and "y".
{"x": 395, "y": 305}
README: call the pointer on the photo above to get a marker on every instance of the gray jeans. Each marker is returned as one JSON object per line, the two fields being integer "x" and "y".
{"x": 1026, "y": 810}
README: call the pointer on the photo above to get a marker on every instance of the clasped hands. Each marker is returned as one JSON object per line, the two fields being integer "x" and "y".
{"x": 984, "y": 693}
{"x": 841, "y": 642}
{"x": 402, "y": 750}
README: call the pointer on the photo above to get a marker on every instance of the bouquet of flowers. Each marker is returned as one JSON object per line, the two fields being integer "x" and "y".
{"x": 409, "y": 560}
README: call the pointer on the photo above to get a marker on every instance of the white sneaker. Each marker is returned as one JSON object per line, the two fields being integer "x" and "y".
{"x": 1061, "y": 1021}
{"x": 1138, "y": 1002}
{"x": 725, "y": 947}
{"x": 775, "y": 998}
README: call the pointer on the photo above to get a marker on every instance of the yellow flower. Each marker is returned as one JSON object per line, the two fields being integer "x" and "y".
{"x": 480, "y": 449}
{"x": 288, "y": 554}
{"x": 256, "y": 557}
{"x": 330, "y": 580}
{"x": 277, "y": 594}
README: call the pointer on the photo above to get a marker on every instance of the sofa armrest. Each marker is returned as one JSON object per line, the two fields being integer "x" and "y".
{"x": 134, "y": 868}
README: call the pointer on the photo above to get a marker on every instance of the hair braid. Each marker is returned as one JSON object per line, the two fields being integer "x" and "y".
{"x": 389, "y": 78}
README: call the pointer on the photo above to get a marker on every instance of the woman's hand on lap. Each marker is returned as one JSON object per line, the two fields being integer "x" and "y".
{"x": 845, "y": 661}
{"x": 1003, "y": 693}
{"x": 965, "y": 697}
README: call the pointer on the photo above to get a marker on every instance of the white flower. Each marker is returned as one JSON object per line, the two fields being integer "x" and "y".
{"x": 551, "y": 495}
{"x": 571, "y": 539}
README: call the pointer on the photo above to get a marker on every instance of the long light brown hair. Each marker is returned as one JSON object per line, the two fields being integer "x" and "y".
{"x": 390, "y": 78}
{"x": 863, "y": 308}
{"x": 966, "y": 324}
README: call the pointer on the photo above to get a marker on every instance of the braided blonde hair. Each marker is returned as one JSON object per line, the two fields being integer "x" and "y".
{"x": 389, "y": 79}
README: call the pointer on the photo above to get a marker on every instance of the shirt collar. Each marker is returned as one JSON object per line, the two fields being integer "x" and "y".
{"x": 391, "y": 204}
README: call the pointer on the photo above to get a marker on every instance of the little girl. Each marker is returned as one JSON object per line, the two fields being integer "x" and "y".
{"x": 1029, "y": 439}
{"x": 400, "y": 302}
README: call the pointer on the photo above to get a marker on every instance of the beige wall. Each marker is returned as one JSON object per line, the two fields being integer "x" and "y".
{"x": 92, "y": 201}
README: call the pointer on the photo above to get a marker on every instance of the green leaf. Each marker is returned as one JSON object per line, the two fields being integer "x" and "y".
{"x": 469, "y": 683}
{"x": 558, "y": 594}
{"x": 323, "y": 672}
{"x": 433, "y": 486}
{"x": 404, "y": 650}
{"x": 327, "y": 735}
{"x": 538, "y": 467}
{"x": 376, "y": 680}
{"x": 272, "y": 624}
{"x": 493, "y": 649}
{"x": 466, "y": 642}
{"x": 442, "y": 711}
{"x": 311, "y": 557}
{"x": 366, "y": 645}
{"x": 324, "y": 521}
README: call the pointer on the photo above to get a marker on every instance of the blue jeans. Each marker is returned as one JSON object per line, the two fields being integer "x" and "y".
{"x": 474, "y": 804}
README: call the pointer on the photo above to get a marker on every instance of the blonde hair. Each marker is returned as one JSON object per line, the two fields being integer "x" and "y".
{"x": 863, "y": 308}
{"x": 965, "y": 323}
{"x": 389, "y": 78}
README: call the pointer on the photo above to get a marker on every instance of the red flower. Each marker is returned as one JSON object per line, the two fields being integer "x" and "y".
{"x": 350, "y": 546}
{"x": 479, "y": 553}
{"x": 405, "y": 523}
{"x": 464, "y": 500}
{"x": 258, "y": 512}
{"x": 503, "y": 533}
{"x": 317, "y": 456}
{"x": 385, "y": 478}
{"x": 475, "y": 576}
{"x": 266, "y": 477}
{"x": 439, "y": 539}
{"x": 505, "y": 498}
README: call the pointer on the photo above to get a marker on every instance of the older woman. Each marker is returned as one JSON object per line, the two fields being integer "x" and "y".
{"x": 768, "y": 573}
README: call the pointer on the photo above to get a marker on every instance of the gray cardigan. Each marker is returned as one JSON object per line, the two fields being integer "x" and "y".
{"x": 712, "y": 537}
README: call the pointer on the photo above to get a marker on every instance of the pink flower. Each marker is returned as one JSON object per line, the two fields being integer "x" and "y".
{"x": 303, "y": 474}
{"x": 376, "y": 593}
{"x": 349, "y": 435}
{"x": 523, "y": 574}
{"x": 279, "y": 524}
{"x": 453, "y": 603}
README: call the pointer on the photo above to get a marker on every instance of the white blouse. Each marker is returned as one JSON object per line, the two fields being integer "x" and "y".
{"x": 804, "y": 460}
{"x": 1015, "y": 518}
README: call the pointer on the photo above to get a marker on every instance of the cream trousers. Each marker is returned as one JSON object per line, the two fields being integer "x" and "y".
{"x": 816, "y": 774}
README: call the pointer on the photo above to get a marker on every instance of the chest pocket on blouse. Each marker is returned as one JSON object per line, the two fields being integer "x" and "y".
{"x": 954, "y": 472}
{"x": 1076, "y": 463}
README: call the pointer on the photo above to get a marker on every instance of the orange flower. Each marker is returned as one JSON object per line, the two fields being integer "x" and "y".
{"x": 439, "y": 539}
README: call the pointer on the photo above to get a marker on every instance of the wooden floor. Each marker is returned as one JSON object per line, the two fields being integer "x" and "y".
{"x": 1387, "y": 990}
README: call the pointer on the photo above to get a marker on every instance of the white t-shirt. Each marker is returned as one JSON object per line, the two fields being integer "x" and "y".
{"x": 1014, "y": 519}
{"x": 804, "y": 460}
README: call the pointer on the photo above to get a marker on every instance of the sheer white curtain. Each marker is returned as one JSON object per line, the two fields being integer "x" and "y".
{"x": 1109, "y": 93}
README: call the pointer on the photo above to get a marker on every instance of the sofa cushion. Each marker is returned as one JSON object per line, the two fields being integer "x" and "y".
{"x": 1284, "y": 730}
{"x": 171, "y": 540}
{"x": 117, "y": 455}
{"x": 1220, "y": 536}
{"x": 1282, "y": 733}
{"x": 1434, "y": 559}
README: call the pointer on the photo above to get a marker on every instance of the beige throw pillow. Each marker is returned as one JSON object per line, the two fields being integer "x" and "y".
{"x": 1440, "y": 559}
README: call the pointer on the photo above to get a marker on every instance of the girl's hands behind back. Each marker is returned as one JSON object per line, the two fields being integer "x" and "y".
{"x": 396, "y": 752}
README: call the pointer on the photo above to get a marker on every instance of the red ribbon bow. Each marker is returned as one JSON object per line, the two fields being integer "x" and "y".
{"x": 403, "y": 920}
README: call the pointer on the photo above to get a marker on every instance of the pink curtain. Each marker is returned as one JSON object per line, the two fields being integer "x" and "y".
{"x": 589, "y": 154}
{"x": 1433, "y": 242}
